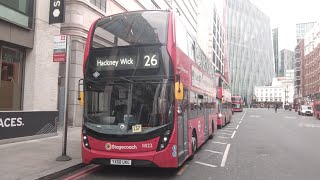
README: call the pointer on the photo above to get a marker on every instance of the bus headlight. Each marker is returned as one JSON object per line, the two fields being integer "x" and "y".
{"x": 164, "y": 140}
{"x": 85, "y": 139}
{"x": 220, "y": 115}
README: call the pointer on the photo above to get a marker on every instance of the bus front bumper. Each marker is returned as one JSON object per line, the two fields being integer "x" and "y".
{"x": 163, "y": 158}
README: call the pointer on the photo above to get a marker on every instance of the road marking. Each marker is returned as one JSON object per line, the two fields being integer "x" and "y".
{"x": 255, "y": 116}
{"x": 84, "y": 172}
{"x": 237, "y": 127}
{"x": 309, "y": 125}
{"x": 223, "y": 137}
{"x": 231, "y": 125}
{"x": 226, "y": 130}
{"x": 182, "y": 169}
{"x": 291, "y": 117}
{"x": 225, "y": 133}
{"x": 229, "y": 128}
{"x": 240, "y": 122}
{"x": 233, "y": 134}
{"x": 205, "y": 164}
{"x": 213, "y": 151}
{"x": 216, "y": 142}
{"x": 225, "y": 155}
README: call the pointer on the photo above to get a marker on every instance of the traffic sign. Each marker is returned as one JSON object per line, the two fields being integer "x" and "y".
{"x": 59, "y": 48}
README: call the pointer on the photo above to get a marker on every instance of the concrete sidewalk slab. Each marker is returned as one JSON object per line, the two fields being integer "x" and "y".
{"x": 37, "y": 158}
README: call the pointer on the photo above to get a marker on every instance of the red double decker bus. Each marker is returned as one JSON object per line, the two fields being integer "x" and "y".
{"x": 224, "y": 114}
{"x": 316, "y": 105}
{"x": 237, "y": 103}
{"x": 149, "y": 92}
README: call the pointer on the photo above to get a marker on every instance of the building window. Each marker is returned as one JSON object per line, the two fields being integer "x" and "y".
{"x": 101, "y": 4}
{"x": 19, "y": 12}
{"x": 271, "y": 94}
{"x": 11, "y": 78}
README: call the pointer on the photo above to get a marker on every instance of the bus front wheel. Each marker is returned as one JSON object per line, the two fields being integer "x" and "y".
{"x": 194, "y": 144}
{"x": 211, "y": 136}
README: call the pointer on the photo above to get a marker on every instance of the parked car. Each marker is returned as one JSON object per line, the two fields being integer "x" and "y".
{"x": 305, "y": 110}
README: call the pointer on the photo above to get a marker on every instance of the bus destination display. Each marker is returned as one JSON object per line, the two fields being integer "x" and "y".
{"x": 127, "y": 62}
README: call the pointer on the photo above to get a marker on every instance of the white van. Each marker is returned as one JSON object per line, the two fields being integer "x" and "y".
{"x": 305, "y": 110}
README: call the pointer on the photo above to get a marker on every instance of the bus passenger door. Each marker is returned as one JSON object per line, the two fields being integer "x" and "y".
{"x": 206, "y": 116}
{"x": 183, "y": 145}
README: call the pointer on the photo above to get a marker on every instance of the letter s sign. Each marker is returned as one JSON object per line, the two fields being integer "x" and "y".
{"x": 56, "y": 13}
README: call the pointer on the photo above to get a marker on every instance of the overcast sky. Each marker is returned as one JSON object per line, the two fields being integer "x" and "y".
{"x": 285, "y": 14}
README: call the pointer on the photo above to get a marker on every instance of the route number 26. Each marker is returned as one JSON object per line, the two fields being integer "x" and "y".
{"x": 150, "y": 60}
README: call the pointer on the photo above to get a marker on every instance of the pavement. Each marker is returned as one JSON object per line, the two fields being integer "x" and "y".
{"x": 258, "y": 144}
{"x": 36, "y": 159}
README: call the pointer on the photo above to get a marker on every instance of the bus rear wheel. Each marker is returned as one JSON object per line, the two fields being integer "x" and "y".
{"x": 194, "y": 144}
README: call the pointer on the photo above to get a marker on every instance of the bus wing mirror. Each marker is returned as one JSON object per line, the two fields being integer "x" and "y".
{"x": 80, "y": 93}
{"x": 178, "y": 90}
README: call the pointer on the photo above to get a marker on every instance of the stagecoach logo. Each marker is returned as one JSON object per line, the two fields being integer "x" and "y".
{"x": 108, "y": 146}
{"x": 199, "y": 126}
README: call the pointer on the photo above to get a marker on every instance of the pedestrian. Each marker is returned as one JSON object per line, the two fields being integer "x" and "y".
{"x": 268, "y": 106}
{"x": 275, "y": 109}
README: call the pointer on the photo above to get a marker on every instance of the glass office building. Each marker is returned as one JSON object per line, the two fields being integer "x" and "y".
{"x": 249, "y": 47}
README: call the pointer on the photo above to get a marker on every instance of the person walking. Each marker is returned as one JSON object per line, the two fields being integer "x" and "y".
{"x": 276, "y": 109}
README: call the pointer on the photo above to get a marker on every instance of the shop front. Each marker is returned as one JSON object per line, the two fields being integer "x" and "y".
{"x": 16, "y": 124}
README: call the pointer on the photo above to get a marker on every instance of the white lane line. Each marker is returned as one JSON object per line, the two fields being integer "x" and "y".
{"x": 233, "y": 134}
{"x": 225, "y": 133}
{"x": 226, "y": 130}
{"x": 237, "y": 127}
{"x": 233, "y": 125}
{"x": 225, "y": 155}
{"x": 216, "y": 142}
{"x": 213, "y": 151}
{"x": 223, "y": 137}
{"x": 230, "y": 127}
{"x": 240, "y": 122}
{"x": 205, "y": 164}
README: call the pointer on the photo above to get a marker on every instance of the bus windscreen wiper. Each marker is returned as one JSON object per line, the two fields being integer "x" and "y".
{"x": 123, "y": 78}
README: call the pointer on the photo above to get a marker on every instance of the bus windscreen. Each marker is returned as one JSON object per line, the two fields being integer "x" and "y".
{"x": 128, "y": 29}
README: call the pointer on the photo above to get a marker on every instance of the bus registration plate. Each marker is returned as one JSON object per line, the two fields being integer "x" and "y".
{"x": 120, "y": 162}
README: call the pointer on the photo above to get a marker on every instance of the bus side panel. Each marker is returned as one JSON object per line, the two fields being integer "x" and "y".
{"x": 198, "y": 125}
{"x": 212, "y": 119}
